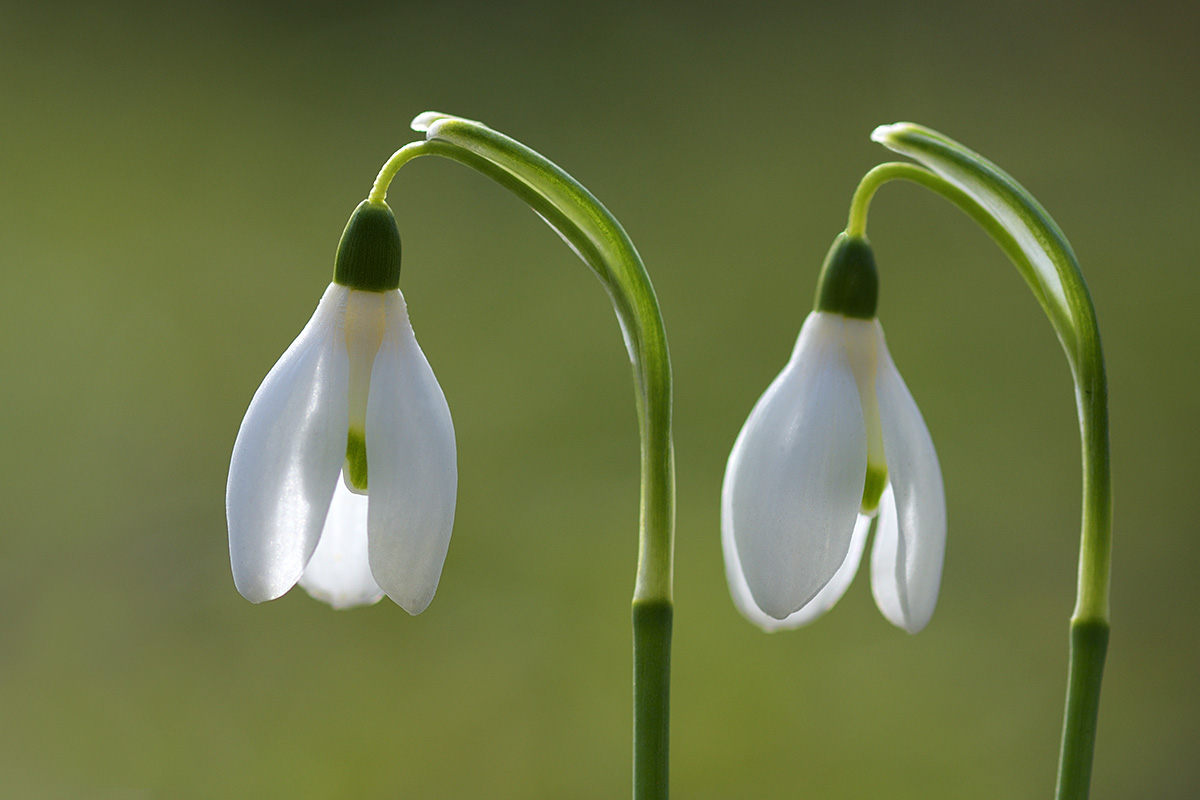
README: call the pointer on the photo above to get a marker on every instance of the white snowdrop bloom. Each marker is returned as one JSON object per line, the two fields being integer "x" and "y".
{"x": 344, "y": 476}
{"x": 835, "y": 440}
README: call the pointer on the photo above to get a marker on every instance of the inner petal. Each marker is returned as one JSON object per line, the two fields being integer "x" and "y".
{"x": 861, "y": 351}
{"x": 338, "y": 572}
{"x": 364, "y": 327}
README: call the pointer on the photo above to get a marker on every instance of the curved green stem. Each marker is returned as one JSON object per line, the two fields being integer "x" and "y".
{"x": 388, "y": 171}
{"x": 902, "y": 170}
{"x": 1036, "y": 245}
{"x": 597, "y": 238}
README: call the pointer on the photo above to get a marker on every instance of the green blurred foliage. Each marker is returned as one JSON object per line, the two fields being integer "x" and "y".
{"x": 173, "y": 181}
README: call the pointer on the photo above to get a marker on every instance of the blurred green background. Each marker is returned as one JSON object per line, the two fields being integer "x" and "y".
{"x": 173, "y": 182}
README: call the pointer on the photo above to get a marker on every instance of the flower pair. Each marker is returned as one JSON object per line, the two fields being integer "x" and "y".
{"x": 835, "y": 442}
{"x": 343, "y": 476}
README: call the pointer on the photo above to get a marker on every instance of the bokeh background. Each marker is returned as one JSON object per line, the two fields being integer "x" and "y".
{"x": 173, "y": 182}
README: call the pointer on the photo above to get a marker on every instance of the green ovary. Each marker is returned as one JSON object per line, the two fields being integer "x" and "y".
{"x": 356, "y": 459}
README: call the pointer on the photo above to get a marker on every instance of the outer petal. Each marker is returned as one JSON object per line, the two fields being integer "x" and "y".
{"x": 287, "y": 456}
{"x": 412, "y": 467}
{"x": 906, "y": 563}
{"x": 338, "y": 572}
{"x": 795, "y": 477}
{"x": 825, "y": 599}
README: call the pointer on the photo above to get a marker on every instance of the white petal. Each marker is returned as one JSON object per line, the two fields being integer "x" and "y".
{"x": 884, "y": 583}
{"x": 411, "y": 466}
{"x": 824, "y": 600}
{"x": 338, "y": 572}
{"x": 795, "y": 477}
{"x": 906, "y": 564}
{"x": 827, "y": 598}
{"x": 287, "y": 456}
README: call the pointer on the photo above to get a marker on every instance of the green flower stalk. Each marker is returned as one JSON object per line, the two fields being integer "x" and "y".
{"x": 1041, "y": 253}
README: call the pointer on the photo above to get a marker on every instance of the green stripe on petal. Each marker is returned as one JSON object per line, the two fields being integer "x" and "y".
{"x": 356, "y": 459}
{"x": 877, "y": 477}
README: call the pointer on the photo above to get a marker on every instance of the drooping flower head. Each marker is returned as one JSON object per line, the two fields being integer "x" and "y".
{"x": 835, "y": 441}
{"x": 343, "y": 476}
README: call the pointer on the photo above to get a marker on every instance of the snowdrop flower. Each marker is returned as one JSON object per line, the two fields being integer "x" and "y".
{"x": 343, "y": 476}
{"x": 835, "y": 441}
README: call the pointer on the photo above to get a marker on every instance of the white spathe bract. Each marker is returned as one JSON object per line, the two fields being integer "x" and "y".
{"x": 292, "y": 517}
{"x": 792, "y": 524}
